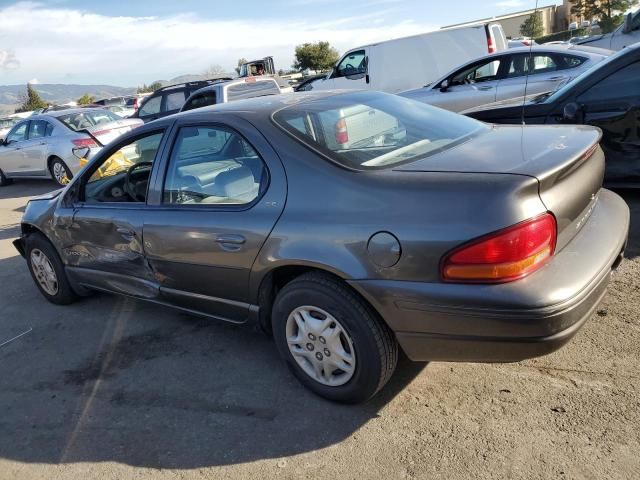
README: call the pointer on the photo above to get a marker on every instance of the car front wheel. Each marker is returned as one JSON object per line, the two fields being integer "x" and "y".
{"x": 47, "y": 270}
{"x": 332, "y": 340}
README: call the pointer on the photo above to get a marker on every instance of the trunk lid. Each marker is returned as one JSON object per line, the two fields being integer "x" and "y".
{"x": 109, "y": 131}
{"x": 566, "y": 161}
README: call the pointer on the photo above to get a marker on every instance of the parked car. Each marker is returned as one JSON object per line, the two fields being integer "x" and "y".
{"x": 505, "y": 75}
{"x": 607, "y": 96}
{"x": 626, "y": 34}
{"x": 410, "y": 62}
{"x": 6, "y": 124}
{"x": 433, "y": 241}
{"x": 230, "y": 91}
{"x": 42, "y": 145}
{"x": 521, "y": 42}
{"x": 307, "y": 83}
{"x": 170, "y": 99}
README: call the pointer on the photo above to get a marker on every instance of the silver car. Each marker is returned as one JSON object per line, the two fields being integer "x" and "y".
{"x": 504, "y": 75}
{"x": 41, "y": 146}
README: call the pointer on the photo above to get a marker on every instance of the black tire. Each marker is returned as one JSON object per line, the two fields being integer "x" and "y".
{"x": 55, "y": 161}
{"x": 64, "y": 294}
{"x": 4, "y": 181}
{"x": 376, "y": 349}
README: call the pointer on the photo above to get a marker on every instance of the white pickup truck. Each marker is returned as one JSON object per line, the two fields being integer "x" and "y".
{"x": 626, "y": 34}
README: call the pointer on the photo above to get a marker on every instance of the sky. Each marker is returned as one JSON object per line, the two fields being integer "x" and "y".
{"x": 131, "y": 42}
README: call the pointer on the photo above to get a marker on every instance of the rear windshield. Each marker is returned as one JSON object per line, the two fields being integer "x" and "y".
{"x": 372, "y": 130}
{"x": 252, "y": 89}
{"x": 81, "y": 120}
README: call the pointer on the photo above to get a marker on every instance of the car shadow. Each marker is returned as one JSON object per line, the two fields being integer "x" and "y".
{"x": 27, "y": 188}
{"x": 113, "y": 379}
{"x": 632, "y": 197}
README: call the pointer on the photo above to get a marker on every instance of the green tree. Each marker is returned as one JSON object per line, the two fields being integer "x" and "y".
{"x": 315, "y": 56}
{"x": 240, "y": 62}
{"x": 532, "y": 27}
{"x": 32, "y": 101}
{"x": 85, "y": 99}
{"x": 149, "y": 88}
{"x": 610, "y": 13}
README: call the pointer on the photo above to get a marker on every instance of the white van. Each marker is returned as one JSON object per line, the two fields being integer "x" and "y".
{"x": 411, "y": 62}
{"x": 626, "y": 34}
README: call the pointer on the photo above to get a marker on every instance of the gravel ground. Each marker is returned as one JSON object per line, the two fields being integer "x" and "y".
{"x": 114, "y": 388}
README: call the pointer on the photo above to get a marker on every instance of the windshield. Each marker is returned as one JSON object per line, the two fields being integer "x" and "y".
{"x": 373, "y": 130}
{"x": 89, "y": 119}
{"x": 569, "y": 86}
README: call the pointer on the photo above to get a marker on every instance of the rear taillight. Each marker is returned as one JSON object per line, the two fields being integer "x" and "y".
{"x": 505, "y": 255}
{"x": 490, "y": 46}
{"x": 84, "y": 142}
{"x": 342, "y": 135}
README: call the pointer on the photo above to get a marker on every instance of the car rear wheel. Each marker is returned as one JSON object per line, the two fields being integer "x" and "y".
{"x": 331, "y": 339}
{"x": 4, "y": 181}
{"x": 60, "y": 172}
{"x": 47, "y": 270}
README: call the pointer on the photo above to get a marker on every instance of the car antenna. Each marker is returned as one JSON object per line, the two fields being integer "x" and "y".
{"x": 526, "y": 78}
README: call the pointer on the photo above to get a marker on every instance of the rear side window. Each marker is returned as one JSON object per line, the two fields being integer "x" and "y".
{"x": 151, "y": 107}
{"x": 369, "y": 130}
{"x": 569, "y": 61}
{"x": 620, "y": 84}
{"x": 213, "y": 166}
{"x": 174, "y": 101}
{"x": 203, "y": 99}
{"x": 37, "y": 129}
{"x": 251, "y": 89}
{"x": 524, "y": 64}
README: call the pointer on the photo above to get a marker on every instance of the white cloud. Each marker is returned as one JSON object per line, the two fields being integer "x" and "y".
{"x": 34, "y": 81}
{"x": 67, "y": 45}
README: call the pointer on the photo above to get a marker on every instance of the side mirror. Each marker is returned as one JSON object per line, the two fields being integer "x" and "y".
{"x": 80, "y": 153}
{"x": 572, "y": 113}
{"x": 444, "y": 86}
{"x": 628, "y": 23}
{"x": 3, "y": 142}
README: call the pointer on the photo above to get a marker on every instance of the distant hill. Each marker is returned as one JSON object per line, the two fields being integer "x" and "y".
{"x": 11, "y": 95}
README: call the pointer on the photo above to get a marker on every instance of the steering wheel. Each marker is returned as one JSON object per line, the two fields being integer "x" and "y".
{"x": 348, "y": 65}
{"x": 128, "y": 186}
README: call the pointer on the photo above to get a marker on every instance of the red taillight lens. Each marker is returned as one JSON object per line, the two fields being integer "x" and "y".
{"x": 84, "y": 142}
{"x": 505, "y": 255}
{"x": 342, "y": 135}
{"x": 490, "y": 46}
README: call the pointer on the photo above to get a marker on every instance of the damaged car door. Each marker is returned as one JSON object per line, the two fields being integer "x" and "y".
{"x": 102, "y": 229}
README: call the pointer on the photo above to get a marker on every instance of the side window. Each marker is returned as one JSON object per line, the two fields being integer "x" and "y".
{"x": 173, "y": 101}
{"x": 203, "y": 99}
{"x": 521, "y": 65}
{"x": 352, "y": 64}
{"x": 483, "y": 72}
{"x": 213, "y": 166}
{"x": 124, "y": 175}
{"x": 151, "y": 107}
{"x": 17, "y": 133}
{"x": 37, "y": 129}
{"x": 49, "y": 130}
{"x": 569, "y": 61}
{"x": 620, "y": 84}
{"x": 635, "y": 24}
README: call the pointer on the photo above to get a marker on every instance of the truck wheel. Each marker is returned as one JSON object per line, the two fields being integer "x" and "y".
{"x": 332, "y": 340}
{"x": 47, "y": 270}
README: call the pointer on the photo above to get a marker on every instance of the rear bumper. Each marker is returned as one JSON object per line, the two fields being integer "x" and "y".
{"x": 512, "y": 321}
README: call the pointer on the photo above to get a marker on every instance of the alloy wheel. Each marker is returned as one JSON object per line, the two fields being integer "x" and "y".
{"x": 60, "y": 173}
{"x": 321, "y": 346}
{"x": 44, "y": 272}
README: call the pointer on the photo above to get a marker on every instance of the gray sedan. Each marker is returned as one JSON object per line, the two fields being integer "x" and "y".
{"x": 504, "y": 75}
{"x": 41, "y": 146}
{"x": 348, "y": 225}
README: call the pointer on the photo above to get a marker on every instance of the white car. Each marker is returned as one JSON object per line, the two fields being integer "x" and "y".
{"x": 504, "y": 75}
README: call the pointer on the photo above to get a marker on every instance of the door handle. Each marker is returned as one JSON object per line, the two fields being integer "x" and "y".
{"x": 485, "y": 87}
{"x": 231, "y": 239}
{"x": 126, "y": 233}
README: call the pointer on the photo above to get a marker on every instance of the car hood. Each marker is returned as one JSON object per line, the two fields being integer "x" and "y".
{"x": 47, "y": 196}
